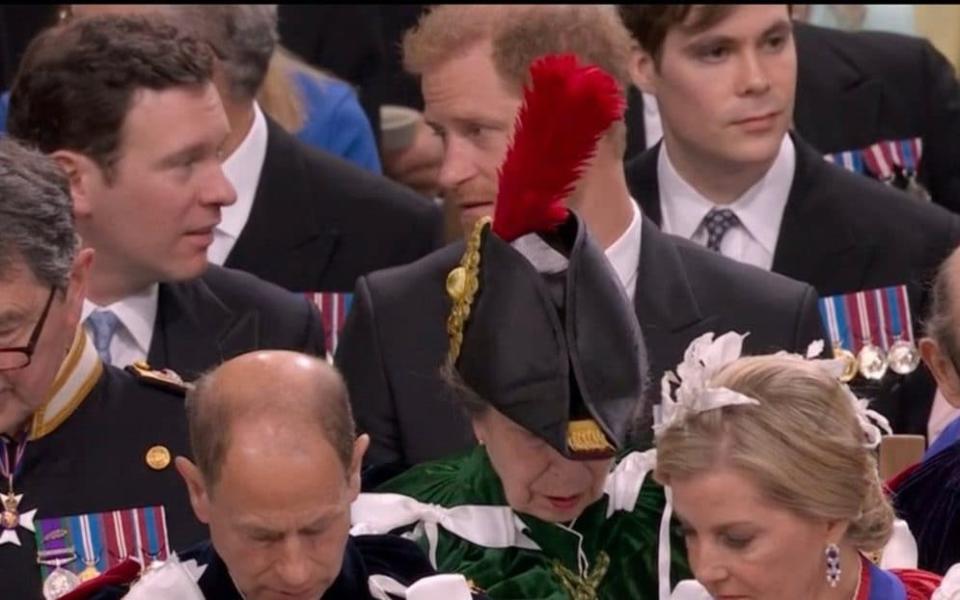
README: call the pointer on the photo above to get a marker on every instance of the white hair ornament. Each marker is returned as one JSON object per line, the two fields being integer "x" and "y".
{"x": 688, "y": 391}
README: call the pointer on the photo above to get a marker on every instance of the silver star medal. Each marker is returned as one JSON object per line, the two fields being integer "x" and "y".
{"x": 11, "y": 519}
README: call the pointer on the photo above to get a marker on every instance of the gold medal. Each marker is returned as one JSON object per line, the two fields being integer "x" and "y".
{"x": 849, "y": 363}
{"x": 90, "y": 572}
{"x": 158, "y": 458}
{"x": 903, "y": 357}
{"x": 10, "y": 519}
{"x": 872, "y": 361}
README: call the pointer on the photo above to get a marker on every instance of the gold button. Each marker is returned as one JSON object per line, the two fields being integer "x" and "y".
{"x": 158, "y": 458}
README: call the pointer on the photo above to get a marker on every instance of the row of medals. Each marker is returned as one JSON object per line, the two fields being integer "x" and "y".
{"x": 872, "y": 362}
{"x": 61, "y": 581}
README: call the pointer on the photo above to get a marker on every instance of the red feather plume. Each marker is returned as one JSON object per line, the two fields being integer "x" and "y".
{"x": 566, "y": 108}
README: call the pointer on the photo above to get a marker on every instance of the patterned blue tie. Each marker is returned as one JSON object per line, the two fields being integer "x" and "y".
{"x": 103, "y": 324}
{"x": 717, "y": 223}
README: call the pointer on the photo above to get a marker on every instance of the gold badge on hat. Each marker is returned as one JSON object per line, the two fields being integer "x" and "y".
{"x": 158, "y": 458}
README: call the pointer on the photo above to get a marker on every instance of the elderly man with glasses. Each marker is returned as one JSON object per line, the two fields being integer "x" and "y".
{"x": 86, "y": 475}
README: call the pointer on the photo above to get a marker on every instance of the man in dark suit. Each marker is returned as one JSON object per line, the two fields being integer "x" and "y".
{"x": 727, "y": 175}
{"x": 855, "y": 90}
{"x": 395, "y": 340}
{"x": 304, "y": 220}
{"x": 145, "y": 176}
{"x": 83, "y": 445}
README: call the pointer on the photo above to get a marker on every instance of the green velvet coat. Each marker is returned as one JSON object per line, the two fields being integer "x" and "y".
{"x": 620, "y": 549}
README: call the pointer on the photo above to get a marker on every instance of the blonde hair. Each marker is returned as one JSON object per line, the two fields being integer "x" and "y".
{"x": 280, "y": 95}
{"x": 803, "y": 446}
{"x": 519, "y": 35}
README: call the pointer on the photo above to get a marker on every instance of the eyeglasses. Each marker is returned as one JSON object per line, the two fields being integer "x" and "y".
{"x": 18, "y": 358}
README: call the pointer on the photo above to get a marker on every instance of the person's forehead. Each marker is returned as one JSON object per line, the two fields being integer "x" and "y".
{"x": 740, "y": 19}
{"x": 16, "y": 276}
{"x": 469, "y": 75}
{"x": 184, "y": 115}
{"x": 19, "y": 290}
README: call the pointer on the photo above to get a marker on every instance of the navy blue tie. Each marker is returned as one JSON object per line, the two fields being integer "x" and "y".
{"x": 717, "y": 223}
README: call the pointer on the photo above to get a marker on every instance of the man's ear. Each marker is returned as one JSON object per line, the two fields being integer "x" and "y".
{"x": 939, "y": 363}
{"x": 196, "y": 487}
{"x": 643, "y": 70}
{"x": 360, "y": 446}
{"x": 83, "y": 174}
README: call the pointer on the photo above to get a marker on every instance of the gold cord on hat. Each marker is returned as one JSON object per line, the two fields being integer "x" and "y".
{"x": 462, "y": 285}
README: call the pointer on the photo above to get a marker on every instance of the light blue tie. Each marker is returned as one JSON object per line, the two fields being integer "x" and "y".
{"x": 104, "y": 325}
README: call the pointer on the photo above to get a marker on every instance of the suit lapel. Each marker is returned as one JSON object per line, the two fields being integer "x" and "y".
{"x": 642, "y": 180}
{"x": 817, "y": 243}
{"x": 284, "y": 240}
{"x": 837, "y": 104}
{"x": 666, "y": 306}
{"x": 195, "y": 331}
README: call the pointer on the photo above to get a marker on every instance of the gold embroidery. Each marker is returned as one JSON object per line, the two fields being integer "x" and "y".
{"x": 585, "y": 436}
{"x": 462, "y": 286}
{"x": 583, "y": 587}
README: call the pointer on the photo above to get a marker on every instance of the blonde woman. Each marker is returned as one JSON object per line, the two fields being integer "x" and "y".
{"x": 770, "y": 464}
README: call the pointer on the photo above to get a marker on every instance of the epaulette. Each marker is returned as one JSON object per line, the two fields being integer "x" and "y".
{"x": 164, "y": 379}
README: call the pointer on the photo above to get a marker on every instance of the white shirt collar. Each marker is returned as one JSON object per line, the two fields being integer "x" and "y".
{"x": 137, "y": 312}
{"x": 242, "y": 169}
{"x": 624, "y": 253}
{"x": 652, "y": 125}
{"x": 760, "y": 208}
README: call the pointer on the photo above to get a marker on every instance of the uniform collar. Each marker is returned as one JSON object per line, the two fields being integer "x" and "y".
{"x": 78, "y": 374}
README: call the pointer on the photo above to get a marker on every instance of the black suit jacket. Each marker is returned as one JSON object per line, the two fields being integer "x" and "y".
{"x": 94, "y": 462}
{"x": 395, "y": 338}
{"x": 224, "y": 313}
{"x": 858, "y": 88}
{"x": 844, "y": 233}
{"x": 840, "y": 232}
{"x": 319, "y": 222}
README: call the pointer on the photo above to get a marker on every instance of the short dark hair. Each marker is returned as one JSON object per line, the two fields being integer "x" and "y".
{"x": 36, "y": 215}
{"x": 210, "y": 417}
{"x": 77, "y": 81}
{"x": 650, "y": 23}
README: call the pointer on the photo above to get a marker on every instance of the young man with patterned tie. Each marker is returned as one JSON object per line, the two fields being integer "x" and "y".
{"x": 731, "y": 176}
